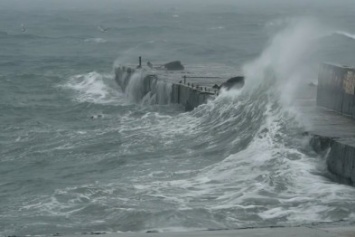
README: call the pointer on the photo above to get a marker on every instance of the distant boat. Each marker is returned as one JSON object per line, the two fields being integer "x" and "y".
{"x": 23, "y": 28}
{"x": 102, "y": 29}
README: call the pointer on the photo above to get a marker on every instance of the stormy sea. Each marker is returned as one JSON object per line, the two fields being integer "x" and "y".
{"x": 77, "y": 155}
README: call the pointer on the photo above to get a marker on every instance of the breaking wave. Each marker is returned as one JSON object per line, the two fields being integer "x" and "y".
{"x": 94, "y": 87}
{"x": 140, "y": 86}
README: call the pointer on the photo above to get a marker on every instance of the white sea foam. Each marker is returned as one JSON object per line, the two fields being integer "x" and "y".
{"x": 285, "y": 56}
{"x": 94, "y": 87}
{"x": 137, "y": 89}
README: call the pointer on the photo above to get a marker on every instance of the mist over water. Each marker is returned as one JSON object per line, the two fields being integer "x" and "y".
{"x": 78, "y": 154}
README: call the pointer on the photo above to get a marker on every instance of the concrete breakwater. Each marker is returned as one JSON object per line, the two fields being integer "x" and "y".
{"x": 336, "y": 87}
{"x": 339, "y": 157}
{"x": 167, "y": 87}
{"x": 190, "y": 97}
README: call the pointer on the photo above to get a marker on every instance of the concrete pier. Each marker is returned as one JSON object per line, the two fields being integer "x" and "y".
{"x": 190, "y": 97}
{"x": 336, "y": 87}
{"x": 189, "y": 88}
{"x": 333, "y": 136}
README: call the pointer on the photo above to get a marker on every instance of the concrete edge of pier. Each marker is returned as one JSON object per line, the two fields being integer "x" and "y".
{"x": 188, "y": 94}
{"x": 336, "y": 92}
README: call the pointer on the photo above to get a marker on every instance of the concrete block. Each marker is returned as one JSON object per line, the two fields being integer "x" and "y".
{"x": 347, "y": 104}
{"x": 336, "y": 86}
{"x": 143, "y": 84}
{"x": 175, "y": 93}
{"x": 351, "y": 165}
{"x": 335, "y": 159}
{"x": 348, "y": 162}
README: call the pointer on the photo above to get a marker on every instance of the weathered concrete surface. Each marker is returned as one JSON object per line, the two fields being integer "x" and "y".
{"x": 333, "y": 135}
{"x": 189, "y": 97}
{"x": 258, "y": 232}
{"x": 339, "y": 146}
{"x": 190, "y": 88}
{"x": 336, "y": 87}
{"x": 335, "y": 91}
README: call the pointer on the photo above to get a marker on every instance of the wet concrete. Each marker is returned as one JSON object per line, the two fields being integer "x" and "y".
{"x": 336, "y": 88}
{"x": 329, "y": 111}
{"x": 190, "y": 87}
{"x": 333, "y": 134}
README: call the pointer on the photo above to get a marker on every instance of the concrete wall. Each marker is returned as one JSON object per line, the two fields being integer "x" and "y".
{"x": 340, "y": 157}
{"x": 189, "y": 97}
{"x": 336, "y": 86}
{"x": 340, "y": 161}
{"x": 183, "y": 94}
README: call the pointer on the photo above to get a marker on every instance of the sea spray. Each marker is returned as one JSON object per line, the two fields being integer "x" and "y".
{"x": 93, "y": 87}
{"x": 267, "y": 140}
{"x": 139, "y": 86}
{"x": 286, "y": 55}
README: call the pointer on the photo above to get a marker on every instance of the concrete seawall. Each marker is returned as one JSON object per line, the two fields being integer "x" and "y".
{"x": 189, "y": 97}
{"x": 341, "y": 161}
{"x": 336, "y": 87}
{"x": 339, "y": 157}
{"x": 188, "y": 94}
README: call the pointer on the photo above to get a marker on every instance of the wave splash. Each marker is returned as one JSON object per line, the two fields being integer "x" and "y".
{"x": 140, "y": 86}
{"x": 94, "y": 88}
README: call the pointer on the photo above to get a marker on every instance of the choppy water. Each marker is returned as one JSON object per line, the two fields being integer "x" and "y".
{"x": 238, "y": 161}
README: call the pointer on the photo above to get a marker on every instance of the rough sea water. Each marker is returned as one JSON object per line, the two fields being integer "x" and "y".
{"x": 78, "y": 155}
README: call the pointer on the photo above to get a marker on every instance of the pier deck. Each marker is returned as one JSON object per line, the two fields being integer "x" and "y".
{"x": 190, "y": 87}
